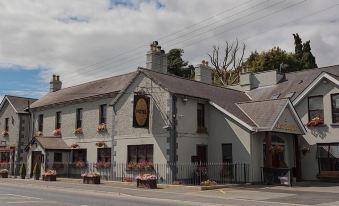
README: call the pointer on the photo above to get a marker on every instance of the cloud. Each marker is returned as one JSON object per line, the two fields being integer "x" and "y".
{"x": 84, "y": 40}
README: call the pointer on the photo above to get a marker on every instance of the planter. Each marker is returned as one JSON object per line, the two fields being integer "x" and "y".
{"x": 149, "y": 184}
{"x": 91, "y": 180}
{"x": 49, "y": 178}
{"x": 4, "y": 175}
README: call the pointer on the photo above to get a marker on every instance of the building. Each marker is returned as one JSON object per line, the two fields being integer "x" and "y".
{"x": 15, "y": 130}
{"x": 149, "y": 116}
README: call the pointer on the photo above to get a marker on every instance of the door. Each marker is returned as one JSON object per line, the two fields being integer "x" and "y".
{"x": 202, "y": 153}
{"x": 36, "y": 159}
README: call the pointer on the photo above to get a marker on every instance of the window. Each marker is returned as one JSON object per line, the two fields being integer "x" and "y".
{"x": 104, "y": 154}
{"x": 227, "y": 153}
{"x": 201, "y": 115}
{"x": 315, "y": 107}
{"x": 41, "y": 123}
{"x": 79, "y": 118}
{"x": 4, "y": 157}
{"x": 335, "y": 108}
{"x": 328, "y": 157}
{"x": 79, "y": 155}
{"x": 58, "y": 120}
{"x": 139, "y": 153}
{"x": 57, "y": 157}
{"x": 103, "y": 113}
{"x": 6, "y": 124}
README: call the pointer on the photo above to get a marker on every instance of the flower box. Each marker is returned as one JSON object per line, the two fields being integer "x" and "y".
{"x": 101, "y": 128}
{"x": 4, "y": 173}
{"x": 49, "y": 178}
{"x": 57, "y": 132}
{"x": 316, "y": 121}
{"x": 5, "y": 133}
{"x": 91, "y": 180}
{"x": 100, "y": 144}
{"x": 78, "y": 131}
{"x": 147, "y": 181}
{"x": 149, "y": 184}
{"x": 49, "y": 175}
{"x": 74, "y": 146}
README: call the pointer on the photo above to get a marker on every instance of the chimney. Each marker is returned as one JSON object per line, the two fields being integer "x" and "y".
{"x": 55, "y": 84}
{"x": 156, "y": 58}
{"x": 203, "y": 73}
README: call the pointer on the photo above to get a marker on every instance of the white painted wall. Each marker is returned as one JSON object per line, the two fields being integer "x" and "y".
{"x": 322, "y": 134}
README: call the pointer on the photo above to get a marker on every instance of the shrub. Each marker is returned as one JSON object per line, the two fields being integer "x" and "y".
{"x": 23, "y": 171}
{"x": 37, "y": 171}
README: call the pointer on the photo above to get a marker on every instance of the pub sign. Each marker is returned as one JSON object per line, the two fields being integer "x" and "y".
{"x": 141, "y": 111}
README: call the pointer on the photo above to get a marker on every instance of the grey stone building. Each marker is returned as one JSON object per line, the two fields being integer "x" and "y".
{"x": 15, "y": 130}
{"x": 277, "y": 124}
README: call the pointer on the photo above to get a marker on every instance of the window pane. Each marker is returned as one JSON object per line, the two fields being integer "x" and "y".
{"x": 141, "y": 153}
{"x": 315, "y": 103}
{"x": 132, "y": 153}
{"x": 149, "y": 153}
{"x": 227, "y": 153}
{"x": 316, "y": 113}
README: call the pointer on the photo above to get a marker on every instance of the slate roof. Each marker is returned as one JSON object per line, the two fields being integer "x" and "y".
{"x": 224, "y": 97}
{"x": 52, "y": 143}
{"x": 294, "y": 82}
{"x": 263, "y": 113}
{"x": 19, "y": 103}
{"x": 99, "y": 88}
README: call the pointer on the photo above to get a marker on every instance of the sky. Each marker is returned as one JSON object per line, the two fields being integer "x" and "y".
{"x": 83, "y": 40}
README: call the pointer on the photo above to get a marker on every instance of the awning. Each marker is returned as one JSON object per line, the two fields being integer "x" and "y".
{"x": 50, "y": 143}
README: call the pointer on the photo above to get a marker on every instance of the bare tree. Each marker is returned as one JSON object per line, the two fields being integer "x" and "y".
{"x": 227, "y": 65}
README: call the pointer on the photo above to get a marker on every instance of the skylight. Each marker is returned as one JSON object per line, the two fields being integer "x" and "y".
{"x": 275, "y": 96}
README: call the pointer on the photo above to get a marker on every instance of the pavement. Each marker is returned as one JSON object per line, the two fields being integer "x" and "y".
{"x": 71, "y": 192}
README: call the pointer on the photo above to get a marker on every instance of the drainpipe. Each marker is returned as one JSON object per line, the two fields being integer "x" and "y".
{"x": 173, "y": 142}
{"x": 113, "y": 163}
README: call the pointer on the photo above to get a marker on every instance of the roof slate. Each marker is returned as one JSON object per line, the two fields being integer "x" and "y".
{"x": 294, "y": 82}
{"x": 224, "y": 97}
{"x": 98, "y": 88}
{"x": 20, "y": 103}
{"x": 52, "y": 143}
{"x": 263, "y": 113}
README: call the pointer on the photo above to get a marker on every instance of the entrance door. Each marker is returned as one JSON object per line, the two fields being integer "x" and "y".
{"x": 36, "y": 159}
{"x": 202, "y": 153}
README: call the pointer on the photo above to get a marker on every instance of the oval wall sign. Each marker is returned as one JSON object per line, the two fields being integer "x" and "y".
{"x": 141, "y": 111}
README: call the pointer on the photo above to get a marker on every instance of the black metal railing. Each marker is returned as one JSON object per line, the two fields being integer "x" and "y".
{"x": 179, "y": 173}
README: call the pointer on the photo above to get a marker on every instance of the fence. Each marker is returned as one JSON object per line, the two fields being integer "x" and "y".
{"x": 179, "y": 173}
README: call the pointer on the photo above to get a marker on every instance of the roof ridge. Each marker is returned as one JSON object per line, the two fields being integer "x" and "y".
{"x": 305, "y": 70}
{"x": 7, "y": 95}
{"x": 172, "y": 75}
{"x": 265, "y": 100}
{"x": 96, "y": 80}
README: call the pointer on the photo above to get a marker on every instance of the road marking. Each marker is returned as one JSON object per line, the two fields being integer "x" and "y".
{"x": 31, "y": 201}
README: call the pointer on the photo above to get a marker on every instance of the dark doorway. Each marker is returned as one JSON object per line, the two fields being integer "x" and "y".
{"x": 36, "y": 159}
{"x": 202, "y": 153}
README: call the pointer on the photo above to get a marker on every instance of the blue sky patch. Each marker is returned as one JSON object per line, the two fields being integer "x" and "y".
{"x": 134, "y": 4}
{"x": 20, "y": 82}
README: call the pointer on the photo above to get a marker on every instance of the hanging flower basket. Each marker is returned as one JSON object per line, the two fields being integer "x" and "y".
{"x": 100, "y": 144}
{"x": 304, "y": 150}
{"x": 57, "y": 132}
{"x": 277, "y": 149}
{"x": 5, "y": 133}
{"x": 315, "y": 122}
{"x": 102, "y": 128}
{"x": 78, "y": 131}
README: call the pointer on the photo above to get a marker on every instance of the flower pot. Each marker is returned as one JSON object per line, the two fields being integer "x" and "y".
{"x": 149, "y": 184}
{"x": 4, "y": 175}
{"x": 49, "y": 178}
{"x": 91, "y": 180}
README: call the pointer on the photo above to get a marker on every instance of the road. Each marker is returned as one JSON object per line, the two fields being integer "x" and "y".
{"x": 14, "y": 192}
